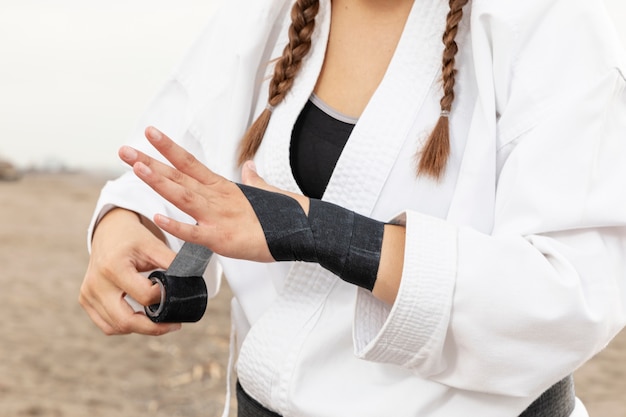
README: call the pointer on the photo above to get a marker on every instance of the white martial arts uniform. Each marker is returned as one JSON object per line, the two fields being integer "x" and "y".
{"x": 515, "y": 265}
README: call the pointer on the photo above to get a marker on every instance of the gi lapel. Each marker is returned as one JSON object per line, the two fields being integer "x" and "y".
{"x": 356, "y": 183}
{"x": 386, "y": 123}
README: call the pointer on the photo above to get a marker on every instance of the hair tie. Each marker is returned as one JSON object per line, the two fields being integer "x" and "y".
{"x": 270, "y": 108}
{"x": 445, "y": 113}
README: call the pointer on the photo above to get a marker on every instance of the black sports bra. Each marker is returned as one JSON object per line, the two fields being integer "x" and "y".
{"x": 317, "y": 140}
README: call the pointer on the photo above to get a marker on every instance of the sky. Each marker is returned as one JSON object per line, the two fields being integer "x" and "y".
{"x": 75, "y": 75}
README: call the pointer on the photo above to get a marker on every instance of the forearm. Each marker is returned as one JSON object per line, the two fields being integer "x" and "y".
{"x": 122, "y": 215}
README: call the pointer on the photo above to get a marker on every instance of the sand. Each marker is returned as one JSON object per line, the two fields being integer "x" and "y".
{"x": 55, "y": 362}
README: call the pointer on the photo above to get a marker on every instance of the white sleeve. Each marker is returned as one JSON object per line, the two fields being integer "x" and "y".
{"x": 515, "y": 311}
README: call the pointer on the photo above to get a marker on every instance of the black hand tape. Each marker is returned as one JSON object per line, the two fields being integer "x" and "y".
{"x": 285, "y": 225}
{"x": 346, "y": 242}
{"x": 340, "y": 240}
{"x": 183, "y": 299}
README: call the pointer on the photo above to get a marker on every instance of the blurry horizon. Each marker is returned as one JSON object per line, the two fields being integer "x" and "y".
{"x": 76, "y": 75}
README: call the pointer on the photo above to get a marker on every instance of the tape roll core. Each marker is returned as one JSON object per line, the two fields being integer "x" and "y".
{"x": 183, "y": 299}
{"x": 151, "y": 311}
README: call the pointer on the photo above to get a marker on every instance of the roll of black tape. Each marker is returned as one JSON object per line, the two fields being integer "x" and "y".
{"x": 183, "y": 299}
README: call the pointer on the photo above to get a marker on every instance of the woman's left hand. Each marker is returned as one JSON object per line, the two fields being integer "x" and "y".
{"x": 226, "y": 222}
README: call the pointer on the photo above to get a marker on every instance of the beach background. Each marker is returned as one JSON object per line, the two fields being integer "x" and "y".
{"x": 74, "y": 77}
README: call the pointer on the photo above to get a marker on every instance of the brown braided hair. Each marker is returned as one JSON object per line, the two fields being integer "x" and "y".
{"x": 434, "y": 157}
{"x": 303, "y": 15}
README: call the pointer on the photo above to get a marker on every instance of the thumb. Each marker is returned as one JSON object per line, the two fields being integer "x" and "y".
{"x": 249, "y": 176}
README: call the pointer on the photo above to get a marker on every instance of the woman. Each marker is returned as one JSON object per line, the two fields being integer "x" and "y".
{"x": 488, "y": 186}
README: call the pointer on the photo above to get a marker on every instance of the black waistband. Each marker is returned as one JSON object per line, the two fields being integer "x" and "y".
{"x": 558, "y": 401}
{"x": 249, "y": 407}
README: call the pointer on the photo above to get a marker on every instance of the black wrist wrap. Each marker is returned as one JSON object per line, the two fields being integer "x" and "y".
{"x": 340, "y": 240}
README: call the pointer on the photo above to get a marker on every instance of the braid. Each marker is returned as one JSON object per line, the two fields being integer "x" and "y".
{"x": 435, "y": 154}
{"x": 303, "y": 15}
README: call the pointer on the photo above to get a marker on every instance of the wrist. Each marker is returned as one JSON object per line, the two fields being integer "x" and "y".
{"x": 391, "y": 264}
{"x": 338, "y": 239}
{"x": 124, "y": 218}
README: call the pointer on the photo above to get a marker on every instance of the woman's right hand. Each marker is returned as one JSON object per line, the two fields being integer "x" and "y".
{"x": 123, "y": 246}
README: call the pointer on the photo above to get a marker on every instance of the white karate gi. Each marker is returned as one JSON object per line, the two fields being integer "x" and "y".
{"x": 515, "y": 265}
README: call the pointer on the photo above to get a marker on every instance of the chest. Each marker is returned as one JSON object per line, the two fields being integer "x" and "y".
{"x": 362, "y": 40}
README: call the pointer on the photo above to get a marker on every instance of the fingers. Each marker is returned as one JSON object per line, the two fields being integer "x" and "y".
{"x": 179, "y": 157}
{"x": 181, "y": 185}
{"x": 108, "y": 309}
{"x": 175, "y": 186}
{"x": 130, "y": 282}
{"x": 121, "y": 247}
{"x": 95, "y": 316}
{"x": 184, "y": 231}
{"x": 143, "y": 163}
